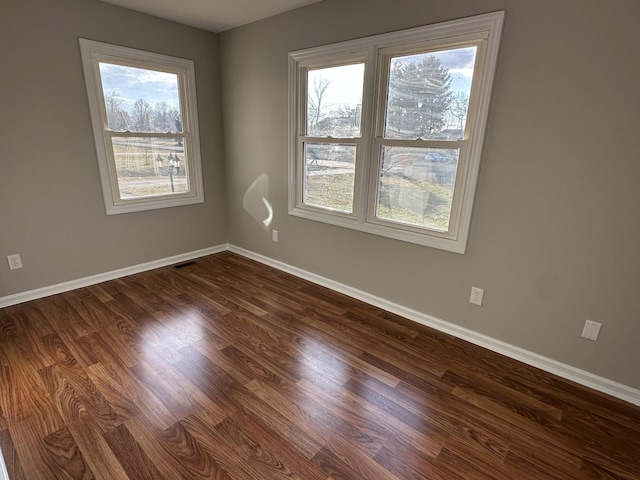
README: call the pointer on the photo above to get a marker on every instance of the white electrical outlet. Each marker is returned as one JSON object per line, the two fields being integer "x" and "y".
{"x": 15, "y": 261}
{"x": 476, "y": 295}
{"x": 591, "y": 330}
{"x": 274, "y": 235}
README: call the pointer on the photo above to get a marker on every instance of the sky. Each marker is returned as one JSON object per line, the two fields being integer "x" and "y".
{"x": 346, "y": 80}
{"x": 132, "y": 83}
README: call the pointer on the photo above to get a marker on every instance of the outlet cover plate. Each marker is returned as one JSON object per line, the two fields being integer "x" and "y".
{"x": 15, "y": 261}
{"x": 476, "y": 295}
{"x": 591, "y": 330}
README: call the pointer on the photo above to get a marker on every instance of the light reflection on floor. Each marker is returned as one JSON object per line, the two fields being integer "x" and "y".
{"x": 323, "y": 360}
{"x": 169, "y": 334}
{"x": 325, "y": 369}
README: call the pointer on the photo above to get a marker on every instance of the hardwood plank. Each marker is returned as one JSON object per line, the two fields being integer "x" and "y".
{"x": 297, "y": 414}
{"x": 371, "y": 420}
{"x": 131, "y": 456}
{"x": 324, "y": 359}
{"x": 309, "y": 407}
{"x": 334, "y": 467}
{"x": 175, "y": 400}
{"x": 175, "y": 452}
{"x": 65, "y": 453}
{"x": 430, "y": 425}
{"x": 257, "y": 458}
{"x": 504, "y": 396}
{"x": 25, "y": 340}
{"x": 40, "y": 454}
{"x": 89, "y": 308}
{"x": 62, "y": 316}
{"x": 269, "y": 416}
{"x": 296, "y": 462}
{"x": 409, "y": 464}
{"x": 205, "y": 376}
{"x": 80, "y": 396}
{"x": 23, "y": 395}
{"x": 355, "y": 460}
{"x": 122, "y": 388}
{"x": 419, "y": 378}
{"x": 100, "y": 293}
{"x": 75, "y": 345}
{"x": 234, "y": 301}
{"x": 469, "y": 464}
{"x": 522, "y": 428}
{"x": 212, "y": 349}
{"x": 218, "y": 448}
{"x": 121, "y": 400}
{"x": 95, "y": 450}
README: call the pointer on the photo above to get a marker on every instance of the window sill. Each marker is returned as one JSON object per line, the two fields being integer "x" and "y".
{"x": 431, "y": 239}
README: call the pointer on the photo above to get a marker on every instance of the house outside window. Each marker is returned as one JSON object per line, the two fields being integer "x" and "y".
{"x": 386, "y": 132}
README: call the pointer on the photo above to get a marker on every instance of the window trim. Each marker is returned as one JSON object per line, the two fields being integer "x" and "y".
{"x": 482, "y": 30}
{"x": 92, "y": 53}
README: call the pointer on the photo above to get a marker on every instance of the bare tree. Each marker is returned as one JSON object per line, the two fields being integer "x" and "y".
{"x": 458, "y": 109}
{"x": 315, "y": 105}
{"x": 141, "y": 116}
{"x": 161, "y": 117}
{"x": 117, "y": 118}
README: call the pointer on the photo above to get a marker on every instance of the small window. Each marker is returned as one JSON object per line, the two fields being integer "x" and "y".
{"x": 387, "y": 131}
{"x": 143, "y": 110}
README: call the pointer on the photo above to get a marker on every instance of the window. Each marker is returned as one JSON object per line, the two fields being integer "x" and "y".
{"x": 143, "y": 110}
{"x": 386, "y": 132}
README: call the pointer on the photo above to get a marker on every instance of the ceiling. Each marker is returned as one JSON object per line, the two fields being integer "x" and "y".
{"x": 212, "y": 15}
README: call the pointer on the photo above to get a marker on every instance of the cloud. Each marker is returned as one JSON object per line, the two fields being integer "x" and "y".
{"x": 132, "y": 75}
{"x": 463, "y": 72}
{"x": 458, "y": 60}
{"x": 131, "y": 84}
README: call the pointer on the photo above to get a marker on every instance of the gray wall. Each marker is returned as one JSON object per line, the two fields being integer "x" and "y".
{"x": 555, "y": 235}
{"x": 51, "y": 206}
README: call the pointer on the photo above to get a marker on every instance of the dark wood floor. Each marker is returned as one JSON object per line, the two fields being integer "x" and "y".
{"x": 228, "y": 369}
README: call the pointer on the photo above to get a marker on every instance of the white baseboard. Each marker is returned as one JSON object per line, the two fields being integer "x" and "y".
{"x": 563, "y": 370}
{"x": 568, "y": 372}
{"x": 103, "y": 277}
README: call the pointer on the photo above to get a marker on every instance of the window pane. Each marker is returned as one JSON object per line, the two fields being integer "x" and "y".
{"x": 329, "y": 172}
{"x": 428, "y": 95}
{"x": 140, "y": 100}
{"x": 334, "y": 101}
{"x": 416, "y": 186}
{"x": 150, "y": 166}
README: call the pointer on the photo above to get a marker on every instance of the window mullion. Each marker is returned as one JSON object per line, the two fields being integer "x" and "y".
{"x": 380, "y": 141}
{"x": 147, "y": 134}
{"x": 366, "y": 171}
{"x": 330, "y": 140}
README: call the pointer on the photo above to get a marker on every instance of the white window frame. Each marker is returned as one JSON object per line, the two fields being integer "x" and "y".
{"x": 95, "y": 52}
{"x": 483, "y": 31}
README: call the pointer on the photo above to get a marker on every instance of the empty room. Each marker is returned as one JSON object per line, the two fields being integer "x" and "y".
{"x": 319, "y": 240}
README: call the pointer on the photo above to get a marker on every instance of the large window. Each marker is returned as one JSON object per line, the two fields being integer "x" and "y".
{"x": 143, "y": 110}
{"x": 387, "y": 131}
